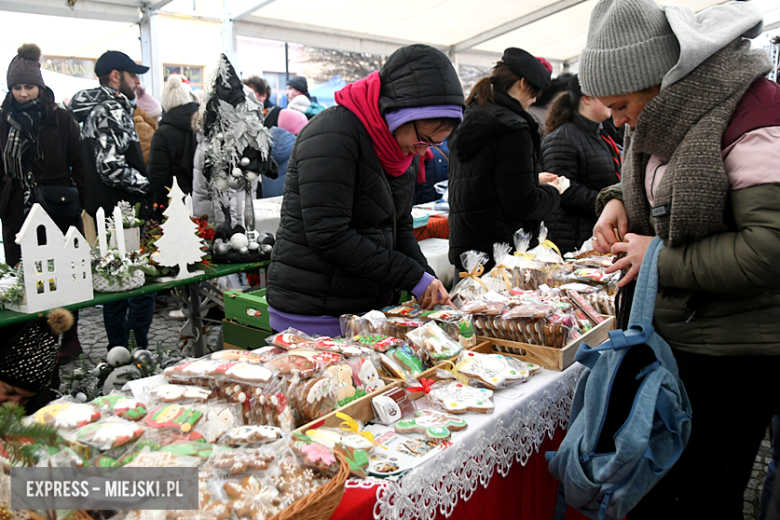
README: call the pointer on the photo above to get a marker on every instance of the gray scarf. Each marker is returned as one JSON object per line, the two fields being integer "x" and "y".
{"x": 683, "y": 125}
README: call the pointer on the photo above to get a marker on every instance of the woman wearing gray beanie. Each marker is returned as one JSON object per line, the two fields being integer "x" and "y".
{"x": 700, "y": 172}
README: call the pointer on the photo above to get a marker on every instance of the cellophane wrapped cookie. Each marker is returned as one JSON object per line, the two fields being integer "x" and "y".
{"x": 457, "y": 323}
{"x": 471, "y": 286}
{"x": 120, "y": 405}
{"x": 455, "y": 397}
{"x": 529, "y": 272}
{"x": 371, "y": 322}
{"x": 546, "y": 252}
{"x": 501, "y": 278}
{"x": 66, "y": 413}
{"x": 290, "y": 339}
{"x": 106, "y": 434}
{"x": 495, "y": 370}
{"x": 437, "y": 343}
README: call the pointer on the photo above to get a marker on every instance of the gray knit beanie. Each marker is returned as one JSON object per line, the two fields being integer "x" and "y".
{"x": 630, "y": 47}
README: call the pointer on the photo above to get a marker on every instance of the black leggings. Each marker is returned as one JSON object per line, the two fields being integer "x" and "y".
{"x": 733, "y": 399}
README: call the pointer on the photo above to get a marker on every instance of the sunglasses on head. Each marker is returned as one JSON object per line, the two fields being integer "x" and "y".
{"x": 420, "y": 142}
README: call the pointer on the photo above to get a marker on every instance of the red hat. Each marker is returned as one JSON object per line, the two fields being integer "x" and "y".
{"x": 547, "y": 64}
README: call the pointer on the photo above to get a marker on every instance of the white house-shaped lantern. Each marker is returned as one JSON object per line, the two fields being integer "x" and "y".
{"x": 57, "y": 269}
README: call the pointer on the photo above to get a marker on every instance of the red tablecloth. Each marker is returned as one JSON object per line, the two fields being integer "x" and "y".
{"x": 438, "y": 227}
{"x": 527, "y": 492}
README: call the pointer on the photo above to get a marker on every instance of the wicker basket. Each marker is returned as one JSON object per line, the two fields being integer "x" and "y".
{"x": 136, "y": 280}
{"x": 322, "y": 502}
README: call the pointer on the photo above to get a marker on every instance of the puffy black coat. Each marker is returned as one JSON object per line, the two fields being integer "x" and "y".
{"x": 436, "y": 170}
{"x": 172, "y": 152}
{"x": 345, "y": 238}
{"x": 494, "y": 178}
{"x": 577, "y": 150}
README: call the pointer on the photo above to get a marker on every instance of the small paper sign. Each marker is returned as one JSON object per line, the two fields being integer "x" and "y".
{"x": 141, "y": 387}
{"x": 509, "y": 393}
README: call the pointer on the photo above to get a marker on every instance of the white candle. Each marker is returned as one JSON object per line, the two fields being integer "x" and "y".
{"x": 119, "y": 229}
{"x": 188, "y": 203}
{"x": 100, "y": 216}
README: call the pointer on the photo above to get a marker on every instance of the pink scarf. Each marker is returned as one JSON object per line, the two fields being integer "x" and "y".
{"x": 362, "y": 99}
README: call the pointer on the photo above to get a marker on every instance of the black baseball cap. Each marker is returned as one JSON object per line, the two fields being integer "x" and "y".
{"x": 115, "y": 60}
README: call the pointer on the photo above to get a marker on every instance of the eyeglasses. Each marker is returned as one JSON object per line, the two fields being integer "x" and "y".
{"x": 420, "y": 142}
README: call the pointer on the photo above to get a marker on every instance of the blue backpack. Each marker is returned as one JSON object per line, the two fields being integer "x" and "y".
{"x": 630, "y": 418}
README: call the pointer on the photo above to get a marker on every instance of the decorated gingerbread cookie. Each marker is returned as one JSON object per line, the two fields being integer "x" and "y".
{"x": 217, "y": 422}
{"x": 238, "y": 462}
{"x": 289, "y": 339}
{"x": 377, "y": 342}
{"x": 252, "y": 500}
{"x": 492, "y": 370}
{"x": 208, "y": 510}
{"x": 171, "y": 393}
{"x": 249, "y": 373}
{"x": 434, "y": 424}
{"x": 366, "y": 375}
{"x": 250, "y": 435}
{"x": 173, "y": 416}
{"x": 237, "y": 355}
{"x": 319, "y": 398}
{"x": 107, "y": 435}
{"x": 122, "y": 406}
{"x": 457, "y": 398}
{"x": 293, "y": 483}
{"x": 405, "y": 355}
{"x": 525, "y": 368}
{"x": 289, "y": 364}
{"x": 315, "y": 455}
{"x": 200, "y": 449}
{"x": 342, "y": 376}
{"x": 67, "y": 416}
{"x": 158, "y": 459}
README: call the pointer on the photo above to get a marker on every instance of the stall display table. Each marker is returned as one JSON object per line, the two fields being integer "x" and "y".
{"x": 195, "y": 288}
{"x": 495, "y": 468}
{"x": 438, "y": 227}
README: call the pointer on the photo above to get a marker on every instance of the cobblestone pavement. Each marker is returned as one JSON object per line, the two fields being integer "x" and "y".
{"x": 165, "y": 332}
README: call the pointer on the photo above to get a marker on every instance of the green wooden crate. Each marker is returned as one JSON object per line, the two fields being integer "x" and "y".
{"x": 236, "y": 335}
{"x": 247, "y": 308}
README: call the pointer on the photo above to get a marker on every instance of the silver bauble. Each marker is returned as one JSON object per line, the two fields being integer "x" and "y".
{"x": 118, "y": 356}
{"x": 81, "y": 397}
{"x": 253, "y": 246}
{"x": 245, "y": 161}
{"x": 143, "y": 356}
{"x": 265, "y": 249}
{"x": 237, "y": 183}
{"x": 237, "y": 172}
{"x": 244, "y": 250}
{"x": 222, "y": 249}
{"x": 250, "y": 176}
{"x": 221, "y": 184}
{"x": 219, "y": 136}
{"x": 218, "y": 241}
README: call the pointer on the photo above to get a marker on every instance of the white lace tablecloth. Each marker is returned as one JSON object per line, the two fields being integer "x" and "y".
{"x": 490, "y": 444}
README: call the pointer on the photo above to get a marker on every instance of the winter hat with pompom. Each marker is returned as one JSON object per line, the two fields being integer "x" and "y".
{"x": 176, "y": 93}
{"x": 292, "y": 120}
{"x": 27, "y": 360}
{"x": 25, "y": 68}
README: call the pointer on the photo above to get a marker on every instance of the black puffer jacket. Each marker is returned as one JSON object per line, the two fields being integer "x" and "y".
{"x": 172, "y": 152}
{"x": 577, "y": 150}
{"x": 494, "y": 178}
{"x": 345, "y": 239}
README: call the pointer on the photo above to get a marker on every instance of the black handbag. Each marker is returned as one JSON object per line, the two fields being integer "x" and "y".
{"x": 60, "y": 202}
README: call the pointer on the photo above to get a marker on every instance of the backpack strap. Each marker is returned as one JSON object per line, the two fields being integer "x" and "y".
{"x": 646, "y": 287}
{"x": 618, "y": 340}
{"x": 665, "y": 410}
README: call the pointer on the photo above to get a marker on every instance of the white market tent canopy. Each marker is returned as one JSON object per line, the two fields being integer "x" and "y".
{"x": 472, "y": 33}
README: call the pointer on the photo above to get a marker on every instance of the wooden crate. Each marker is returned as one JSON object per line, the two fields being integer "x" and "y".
{"x": 549, "y": 357}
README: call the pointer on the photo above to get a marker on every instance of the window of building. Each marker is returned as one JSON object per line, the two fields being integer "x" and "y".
{"x": 193, "y": 73}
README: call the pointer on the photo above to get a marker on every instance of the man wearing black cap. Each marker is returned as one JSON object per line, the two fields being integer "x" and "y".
{"x": 114, "y": 167}
{"x": 114, "y": 170}
{"x": 298, "y": 88}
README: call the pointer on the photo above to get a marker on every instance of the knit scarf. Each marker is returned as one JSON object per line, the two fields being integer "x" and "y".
{"x": 683, "y": 125}
{"x": 362, "y": 99}
{"x": 23, "y": 137}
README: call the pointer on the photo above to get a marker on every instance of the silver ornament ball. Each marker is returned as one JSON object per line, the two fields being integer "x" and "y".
{"x": 222, "y": 249}
{"x": 237, "y": 183}
{"x": 221, "y": 184}
{"x": 81, "y": 397}
{"x": 237, "y": 172}
{"x": 118, "y": 356}
{"x": 244, "y": 250}
{"x": 250, "y": 176}
{"x": 245, "y": 161}
{"x": 143, "y": 356}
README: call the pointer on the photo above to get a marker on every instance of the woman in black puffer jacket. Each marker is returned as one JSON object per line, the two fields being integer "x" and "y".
{"x": 345, "y": 239}
{"x": 577, "y": 147}
{"x": 494, "y": 160}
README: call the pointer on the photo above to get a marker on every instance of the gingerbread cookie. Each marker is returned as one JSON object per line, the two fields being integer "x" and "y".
{"x": 378, "y": 342}
{"x": 293, "y": 483}
{"x": 434, "y": 424}
{"x": 366, "y": 375}
{"x": 315, "y": 455}
{"x": 267, "y": 353}
{"x": 251, "y": 434}
{"x": 217, "y": 422}
{"x": 207, "y": 511}
{"x": 249, "y": 373}
{"x": 492, "y": 370}
{"x": 173, "y": 416}
{"x": 289, "y": 339}
{"x": 67, "y": 416}
{"x": 171, "y": 393}
{"x": 107, "y": 435}
{"x": 237, "y": 355}
{"x": 318, "y": 398}
{"x": 238, "y": 462}
{"x": 458, "y": 398}
{"x": 157, "y": 459}
{"x": 289, "y": 364}
{"x": 252, "y": 500}
{"x": 122, "y": 406}
{"x": 200, "y": 449}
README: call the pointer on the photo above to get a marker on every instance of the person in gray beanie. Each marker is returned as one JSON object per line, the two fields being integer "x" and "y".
{"x": 700, "y": 172}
